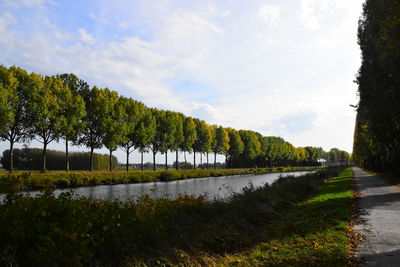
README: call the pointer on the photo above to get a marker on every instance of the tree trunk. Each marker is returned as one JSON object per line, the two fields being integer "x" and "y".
{"x": 201, "y": 158}
{"x": 127, "y": 159}
{"x": 44, "y": 157}
{"x": 110, "y": 160}
{"x": 154, "y": 161}
{"x": 207, "y": 160}
{"x": 184, "y": 154}
{"x": 66, "y": 156}
{"x": 177, "y": 162}
{"x": 11, "y": 152}
{"x": 194, "y": 159}
{"x": 226, "y": 161}
{"x": 141, "y": 162}
{"x": 91, "y": 159}
{"x": 166, "y": 160}
{"x": 215, "y": 161}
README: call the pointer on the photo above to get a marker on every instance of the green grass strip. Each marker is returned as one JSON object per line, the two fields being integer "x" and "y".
{"x": 312, "y": 233}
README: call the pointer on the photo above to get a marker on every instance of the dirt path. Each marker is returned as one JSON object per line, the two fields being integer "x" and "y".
{"x": 380, "y": 210}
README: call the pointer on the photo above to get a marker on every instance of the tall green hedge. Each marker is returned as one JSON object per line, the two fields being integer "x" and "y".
{"x": 31, "y": 159}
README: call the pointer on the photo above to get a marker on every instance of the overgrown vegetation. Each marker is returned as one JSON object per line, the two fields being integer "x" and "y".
{"x": 60, "y": 179}
{"x": 376, "y": 138}
{"x": 271, "y": 225}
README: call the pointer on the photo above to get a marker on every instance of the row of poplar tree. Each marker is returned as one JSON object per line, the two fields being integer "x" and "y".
{"x": 65, "y": 107}
{"x": 377, "y": 132}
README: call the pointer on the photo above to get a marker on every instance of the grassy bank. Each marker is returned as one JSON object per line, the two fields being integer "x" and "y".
{"x": 277, "y": 224}
{"x": 61, "y": 179}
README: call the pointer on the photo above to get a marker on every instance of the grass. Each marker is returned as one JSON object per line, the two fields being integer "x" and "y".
{"x": 61, "y": 179}
{"x": 314, "y": 232}
{"x": 295, "y": 221}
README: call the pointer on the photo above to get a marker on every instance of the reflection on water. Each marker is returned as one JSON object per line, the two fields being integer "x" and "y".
{"x": 212, "y": 187}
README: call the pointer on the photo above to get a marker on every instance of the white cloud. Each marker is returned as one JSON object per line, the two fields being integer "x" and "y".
{"x": 226, "y": 13}
{"x": 23, "y": 3}
{"x": 86, "y": 37}
{"x": 269, "y": 13}
{"x": 250, "y": 78}
{"x": 6, "y": 19}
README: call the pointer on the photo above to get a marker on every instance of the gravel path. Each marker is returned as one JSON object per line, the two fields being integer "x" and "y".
{"x": 380, "y": 210}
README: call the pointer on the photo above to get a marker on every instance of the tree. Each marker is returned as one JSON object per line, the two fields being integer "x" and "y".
{"x": 145, "y": 132}
{"x": 156, "y": 142}
{"x": 46, "y": 110}
{"x": 213, "y": 143}
{"x": 92, "y": 134}
{"x": 221, "y": 145}
{"x": 189, "y": 135}
{"x": 252, "y": 145}
{"x": 236, "y": 145}
{"x": 112, "y": 124}
{"x": 72, "y": 111}
{"x": 376, "y": 144}
{"x": 134, "y": 112}
{"x": 166, "y": 133}
{"x": 203, "y": 139}
{"x": 261, "y": 158}
{"x": 8, "y": 85}
{"x": 18, "y": 83}
{"x": 178, "y": 138}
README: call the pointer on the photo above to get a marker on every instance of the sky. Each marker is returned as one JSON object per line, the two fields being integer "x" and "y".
{"x": 282, "y": 68}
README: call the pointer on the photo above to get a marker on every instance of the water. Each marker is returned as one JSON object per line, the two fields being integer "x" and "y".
{"x": 210, "y": 187}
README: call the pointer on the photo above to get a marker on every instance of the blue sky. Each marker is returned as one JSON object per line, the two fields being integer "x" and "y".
{"x": 283, "y": 68}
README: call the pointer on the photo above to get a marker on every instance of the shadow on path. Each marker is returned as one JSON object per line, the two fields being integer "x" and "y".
{"x": 380, "y": 211}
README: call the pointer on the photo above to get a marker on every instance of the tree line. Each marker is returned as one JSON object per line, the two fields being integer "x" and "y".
{"x": 64, "y": 107}
{"x": 31, "y": 159}
{"x": 377, "y": 130}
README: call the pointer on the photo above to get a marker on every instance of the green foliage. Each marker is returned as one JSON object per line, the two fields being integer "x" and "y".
{"x": 221, "y": 145}
{"x": 65, "y": 107}
{"x": 376, "y": 143}
{"x": 189, "y": 134}
{"x": 203, "y": 138}
{"x": 8, "y": 84}
{"x": 251, "y": 143}
{"x": 236, "y": 145}
{"x": 18, "y": 84}
{"x": 72, "y": 107}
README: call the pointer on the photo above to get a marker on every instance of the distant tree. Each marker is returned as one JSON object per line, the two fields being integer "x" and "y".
{"x": 221, "y": 145}
{"x": 72, "y": 111}
{"x": 145, "y": 132}
{"x": 189, "y": 135}
{"x": 236, "y": 145}
{"x": 19, "y": 84}
{"x": 166, "y": 133}
{"x": 178, "y": 138}
{"x": 112, "y": 123}
{"x": 213, "y": 143}
{"x": 156, "y": 142}
{"x": 46, "y": 109}
{"x": 203, "y": 139}
{"x": 261, "y": 158}
{"x": 8, "y": 85}
{"x": 92, "y": 134}
{"x": 252, "y": 145}
{"x": 133, "y": 113}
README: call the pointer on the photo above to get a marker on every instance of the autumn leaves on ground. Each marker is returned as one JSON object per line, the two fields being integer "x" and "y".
{"x": 273, "y": 225}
